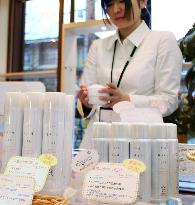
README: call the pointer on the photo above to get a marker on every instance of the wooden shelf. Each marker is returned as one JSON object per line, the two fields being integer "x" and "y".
{"x": 28, "y": 74}
{"x": 87, "y": 27}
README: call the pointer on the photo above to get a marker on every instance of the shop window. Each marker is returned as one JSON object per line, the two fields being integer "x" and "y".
{"x": 48, "y": 55}
{"x": 28, "y": 57}
{"x": 41, "y": 39}
{"x": 67, "y": 10}
{"x": 81, "y": 11}
{"x": 41, "y": 34}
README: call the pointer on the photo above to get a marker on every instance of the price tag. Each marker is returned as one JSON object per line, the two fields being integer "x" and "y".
{"x": 16, "y": 190}
{"x": 28, "y": 167}
{"x": 111, "y": 183}
{"x": 85, "y": 160}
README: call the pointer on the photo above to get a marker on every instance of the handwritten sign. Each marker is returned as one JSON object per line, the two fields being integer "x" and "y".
{"x": 28, "y": 167}
{"x": 16, "y": 190}
{"x": 111, "y": 183}
{"x": 85, "y": 160}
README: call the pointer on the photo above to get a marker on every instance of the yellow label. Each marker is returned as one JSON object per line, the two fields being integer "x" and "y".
{"x": 48, "y": 159}
{"x": 191, "y": 155}
{"x": 134, "y": 165}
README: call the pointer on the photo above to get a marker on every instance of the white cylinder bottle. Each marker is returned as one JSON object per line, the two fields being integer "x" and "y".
{"x": 68, "y": 137}
{"x": 12, "y": 137}
{"x": 160, "y": 162}
{"x": 53, "y": 139}
{"x": 173, "y": 176}
{"x": 101, "y": 137}
{"x": 119, "y": 145}
{"x": 140, "y": 148}
{"x": 33, "y": 124}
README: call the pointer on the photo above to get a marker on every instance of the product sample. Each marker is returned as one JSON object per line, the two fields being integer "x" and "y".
{"x": 68, "y": 138}
{"x": 12, "y": 137}
{"x": 173, "y": 187}
{"x": 101, "y": 138}
{"x": 160, "y": 162}
{"x": 140, "y": 148}
{"x": 153, "y": 143}
{"x": 54, "y": 137}
{"x": 119, "y": 145}
{"x": 33, "y": 124}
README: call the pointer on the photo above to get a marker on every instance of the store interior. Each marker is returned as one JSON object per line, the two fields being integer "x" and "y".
{"x": 43, "y": 47}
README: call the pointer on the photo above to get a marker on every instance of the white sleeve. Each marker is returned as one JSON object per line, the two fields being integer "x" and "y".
{"x": 89, "y": 76}
{"x": 167, "y": 76}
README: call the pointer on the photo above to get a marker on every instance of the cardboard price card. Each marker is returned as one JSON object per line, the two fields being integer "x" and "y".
{"x": 16, "y": 190}
{"x": 111, "y": 183}
{"x": 28, "y": 167}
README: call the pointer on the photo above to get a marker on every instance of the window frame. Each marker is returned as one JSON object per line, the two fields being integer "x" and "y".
{"x": 16, "y": 25}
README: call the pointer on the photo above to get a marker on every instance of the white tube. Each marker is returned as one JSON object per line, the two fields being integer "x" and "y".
{"x": 173, "y": 188}
{"x": 140, "y": 148}
{"x": 160, "y": 169}
{"x": 33, "y": 124}
{"x": 101, "y": 130}
{"x": 53, "y": 139}
{"x": 101, "y": 137}
{"x": 69, "y": 137}
{"x": 118, "y": 150}
{"x": 102, "y": 147}
{"x": 12, "y": 138}
{"x": 120, "y": 130}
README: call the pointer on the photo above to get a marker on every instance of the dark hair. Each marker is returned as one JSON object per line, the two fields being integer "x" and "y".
{"x": 145, "y": 15}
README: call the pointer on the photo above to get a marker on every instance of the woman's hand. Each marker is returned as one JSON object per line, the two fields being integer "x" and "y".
{"x": 115, "y": 95}
{"x": 83, "y": 96}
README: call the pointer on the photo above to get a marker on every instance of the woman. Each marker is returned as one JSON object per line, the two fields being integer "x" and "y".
{"x": 136, "y": 64}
